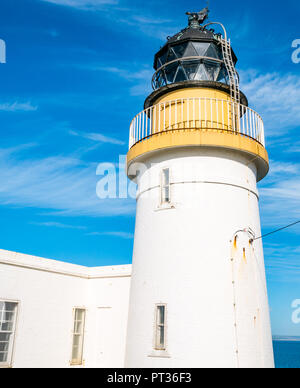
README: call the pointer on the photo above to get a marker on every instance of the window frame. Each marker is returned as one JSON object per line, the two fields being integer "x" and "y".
{"x": 163, "y": 186}
{"x": 158, "y": 326}
{"x": 79, "y": 361}
{"x": 12, "y": 333}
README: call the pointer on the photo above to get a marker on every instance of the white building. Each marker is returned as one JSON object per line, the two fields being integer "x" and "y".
{"x": 197, "y": 295}
{"x": 40, "y": 300}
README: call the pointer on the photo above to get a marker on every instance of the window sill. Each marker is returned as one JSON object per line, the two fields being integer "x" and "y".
{"x": 76, "y": 364}
{"x": 165, "y": 206}
{"x": 159, "y": 354}
{"x": 5, "y": 366}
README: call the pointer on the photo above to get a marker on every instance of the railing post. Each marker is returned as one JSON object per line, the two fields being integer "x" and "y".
{"x": 159, "y": 117}
{"x": 199, "y": 101}
{"x": 211, "y": 113}
{"x": 182, "y": 112}
{"x": 153, "y": 126}
{"x": 205, "y": 110}
{"x": 176, "y": 117}
{"x": 194, "y": 117}
{"x": 188, "y": 113}
{"x": 217, "y": 107}
{"x": 223, "y": 121}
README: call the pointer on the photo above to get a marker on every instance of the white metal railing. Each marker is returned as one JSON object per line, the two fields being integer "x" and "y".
{"x": 206, "y": 114}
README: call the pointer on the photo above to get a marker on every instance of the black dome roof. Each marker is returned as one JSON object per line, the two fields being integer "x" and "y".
{"x": 190, "y": 34}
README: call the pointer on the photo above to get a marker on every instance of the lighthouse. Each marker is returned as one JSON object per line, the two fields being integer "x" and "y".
{"x": 196, "y": 152}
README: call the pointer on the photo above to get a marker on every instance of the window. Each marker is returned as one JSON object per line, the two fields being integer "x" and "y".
{"x": 165, "y": 186}
{"x": 78, "y": 336}
{"x": 8, "y": 315}
{"x": 160, "y": 328}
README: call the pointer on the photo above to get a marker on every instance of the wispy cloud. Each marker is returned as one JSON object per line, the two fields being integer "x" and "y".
{"x": 278, "y": 168}
{"x": 282, "y": 262}
{"x": 97, "y": 137}
{"x": 280, "y": 206}
{"x": 138, "y": 75}
{"x": 61, "y": 185}
{"x": 141, "y": 78}
{"x": 58, "y": 225}
{"x": 148, "y": 20}
{"x": 83, "y": 4}
{"x": 127, "y": 16}
{"x": 280, "y": 195}
{"x": 124, "y": 235}
{"x": 18, "y": 107}
{"x": 276, "y": 97}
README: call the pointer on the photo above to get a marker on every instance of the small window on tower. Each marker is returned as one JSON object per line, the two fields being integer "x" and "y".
{"x": 78, "y": 336}
{"x": 160, "y": 328}
{"x": 165, "y": 186}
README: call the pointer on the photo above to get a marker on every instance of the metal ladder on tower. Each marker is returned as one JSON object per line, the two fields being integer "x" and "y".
{"x": 232, "y": 73}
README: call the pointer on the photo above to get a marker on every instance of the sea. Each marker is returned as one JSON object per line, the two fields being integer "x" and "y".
{"x": 287, "y": 353}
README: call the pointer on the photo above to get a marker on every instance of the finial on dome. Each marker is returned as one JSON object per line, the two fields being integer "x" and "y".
{"x": 197, "y": 18}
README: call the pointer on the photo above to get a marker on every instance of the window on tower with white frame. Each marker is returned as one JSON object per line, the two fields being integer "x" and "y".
{"x": 78, "y": 336}
{"x": 8, "y": 318}
{"x": 165, "y": 187}
{"x": 160, "y": 327}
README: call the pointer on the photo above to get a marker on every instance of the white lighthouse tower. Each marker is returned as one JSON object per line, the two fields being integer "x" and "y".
{"x": 198, "y": 294}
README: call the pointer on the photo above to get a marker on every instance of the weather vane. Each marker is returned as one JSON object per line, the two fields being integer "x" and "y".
{"x": 197, "y": 18}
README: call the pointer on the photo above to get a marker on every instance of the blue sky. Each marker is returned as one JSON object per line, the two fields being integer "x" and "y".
{"x": 77, "y": 72}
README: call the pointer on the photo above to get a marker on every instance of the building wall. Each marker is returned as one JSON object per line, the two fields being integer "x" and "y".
{"x": 47, "y": 292}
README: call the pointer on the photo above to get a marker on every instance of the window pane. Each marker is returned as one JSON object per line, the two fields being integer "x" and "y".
{"x": 161, "y": 336}
{"x": 76, "y": 340}
{"x": 201, "y": 74}
{"x": 79, "y": 313}
{"x": 170, "y": 72}
{"x": 201, "y": 48}
{"x": 4, "y": 346}
{"x": 76, "y": 350}
{"x": 161, "y": 315}
{"x": 190, "y": 51}
{"x": 6, "y": 326}
{"x": 171, "y": 55}
{"x": 7, "y": 316}
{"x": 3, "y": 356}
{"x": 9, "y": 306}
{"x": 223, "y": 76}
{"x": 166, "y": 194}
{"x": 191, "y": 68}
{"x": 212, "y": 70}
{"x": 4, "y": 337}
{"x": 180, "y": 49}
{"x": 78, "y": 327}
{"x": 75, "y": 354}
{"x": 180, "y": 76}
{"x": 162, "y": 59}
{"x": 166, "y": 176}
{"x": 212, "y": 52}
